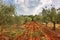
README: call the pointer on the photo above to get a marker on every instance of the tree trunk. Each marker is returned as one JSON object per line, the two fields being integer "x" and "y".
{"x": 54, "y": 27}
{"x": 46, "y": 24}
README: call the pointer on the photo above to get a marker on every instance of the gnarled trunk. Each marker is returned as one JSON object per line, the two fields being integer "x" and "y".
{"x": 54, "y": 27}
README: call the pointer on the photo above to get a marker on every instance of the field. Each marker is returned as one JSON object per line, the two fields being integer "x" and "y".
{"x": 30, "y": 31}
{"x": 16, "y": 23}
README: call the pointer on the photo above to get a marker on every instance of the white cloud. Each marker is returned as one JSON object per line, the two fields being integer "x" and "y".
{"x": 46, "y": 1}
{"x": 56, "y": 3}
{"x": 19, "y": 1}
{"x": 38, "y": 8}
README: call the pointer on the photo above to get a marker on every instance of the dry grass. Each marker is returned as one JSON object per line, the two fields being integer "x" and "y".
{"x": 50, "y": 25}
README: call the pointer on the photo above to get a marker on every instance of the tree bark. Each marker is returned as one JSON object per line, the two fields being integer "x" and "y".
{"x": 54, "y": 27}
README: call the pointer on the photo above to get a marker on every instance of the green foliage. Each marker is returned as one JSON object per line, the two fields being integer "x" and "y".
{"x": 50, "y": 15}
{"x": 58, "y": 18}
{"x": 44, "y": 15}
{"x": 6, "y": 13}
{"x": 37, "y": 18}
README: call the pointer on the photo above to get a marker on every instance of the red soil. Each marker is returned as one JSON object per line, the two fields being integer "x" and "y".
{"x": 33, "y": 26}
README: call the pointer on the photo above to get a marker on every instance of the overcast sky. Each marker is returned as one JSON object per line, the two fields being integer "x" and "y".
{"x": 32, "y": 7}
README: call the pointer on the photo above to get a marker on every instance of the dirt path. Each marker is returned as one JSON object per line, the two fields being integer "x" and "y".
{"x": 50, "y": 35}
{"x": 33, "y": 26}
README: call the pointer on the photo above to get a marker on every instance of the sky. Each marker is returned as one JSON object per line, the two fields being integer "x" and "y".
{"x": 32, "y": 7}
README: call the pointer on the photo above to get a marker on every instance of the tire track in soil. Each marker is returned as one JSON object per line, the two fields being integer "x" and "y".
{"x": 50, "y": 35}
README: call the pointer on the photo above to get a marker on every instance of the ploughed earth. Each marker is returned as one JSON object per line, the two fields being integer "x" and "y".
{"x": 34, "y": 31}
